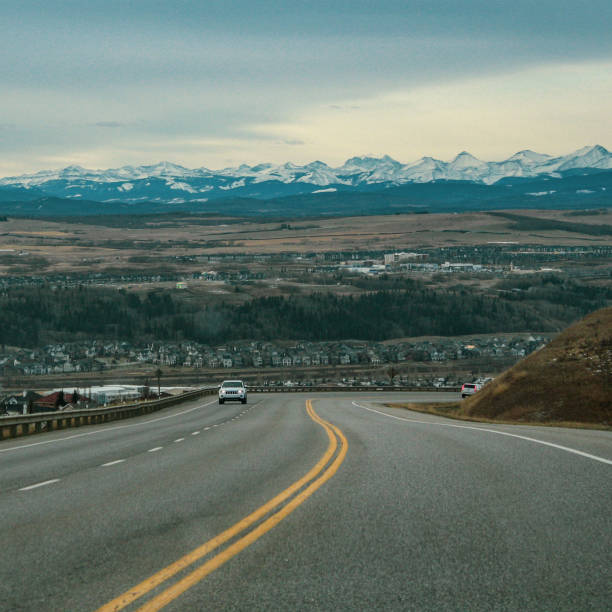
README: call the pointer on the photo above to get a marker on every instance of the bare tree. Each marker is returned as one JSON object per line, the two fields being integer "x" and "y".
{"x": 392, "y": 372}
{"x": 158, "y": 375}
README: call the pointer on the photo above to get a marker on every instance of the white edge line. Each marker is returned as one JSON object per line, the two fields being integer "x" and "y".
{"x": 112, "y": 463}
{"x": 40, "y": 484}
{"x": 104, "y": 430}
{"x": 494, "y": 431}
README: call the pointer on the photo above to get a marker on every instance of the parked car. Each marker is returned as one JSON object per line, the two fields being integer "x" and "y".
{"x": 232, "y": 391}
{"x": 470, "y": 388}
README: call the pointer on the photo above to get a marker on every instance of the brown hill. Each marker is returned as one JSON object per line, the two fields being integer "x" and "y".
{"x": 569, "y": 380}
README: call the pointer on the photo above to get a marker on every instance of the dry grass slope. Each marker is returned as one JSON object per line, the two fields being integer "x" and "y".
{"x": 570, "y": 380}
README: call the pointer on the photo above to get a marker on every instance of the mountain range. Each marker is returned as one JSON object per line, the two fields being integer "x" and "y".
{"x": 535, "y": 177}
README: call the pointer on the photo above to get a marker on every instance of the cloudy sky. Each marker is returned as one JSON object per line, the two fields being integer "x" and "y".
{"x": 218, "y": 83}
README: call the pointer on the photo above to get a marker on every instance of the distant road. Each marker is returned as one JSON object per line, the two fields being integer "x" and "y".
{"x": 306, "y": 502}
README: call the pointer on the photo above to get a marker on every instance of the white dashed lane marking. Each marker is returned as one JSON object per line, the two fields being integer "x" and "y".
{"x": 118, "y": 461}
{"x": 39, "y": 484}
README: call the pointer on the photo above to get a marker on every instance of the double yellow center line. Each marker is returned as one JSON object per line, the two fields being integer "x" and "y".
{"x": 294, "y": 495}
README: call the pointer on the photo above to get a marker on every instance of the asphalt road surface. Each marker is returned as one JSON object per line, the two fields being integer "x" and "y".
{"x": 306, "y": 502}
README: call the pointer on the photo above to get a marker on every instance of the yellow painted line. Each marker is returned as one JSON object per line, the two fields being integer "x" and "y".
{"x": 171, "y": 593}
{"x": 160, "y": 577}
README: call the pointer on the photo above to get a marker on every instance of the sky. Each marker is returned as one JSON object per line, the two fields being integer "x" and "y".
{"x": 218, "y": 83}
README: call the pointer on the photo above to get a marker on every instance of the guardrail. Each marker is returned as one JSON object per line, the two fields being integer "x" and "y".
{"x": 48, "y": 421}
{"x": 326, "y": 388}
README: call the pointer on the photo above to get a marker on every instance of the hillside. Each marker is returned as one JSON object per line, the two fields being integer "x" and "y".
{"x": 568, "y": 380}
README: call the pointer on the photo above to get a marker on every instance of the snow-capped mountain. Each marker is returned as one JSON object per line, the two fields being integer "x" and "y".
{"x": 172, "y": 183}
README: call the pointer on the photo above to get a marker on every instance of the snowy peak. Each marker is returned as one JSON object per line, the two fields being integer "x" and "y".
{"x": 597, "y": 150}
{"x": 466, "y": 160}
{"x": 466, "y": 167}
{"x": 588, "y": 157}
{"x": 367, "y": 170}
{"x": 359, "y": 164}
{"x": 166, "y": 181}
{"x": 165, "y": 169}
{"x": 527, "y": 156}
{"x": 75, "y": 171}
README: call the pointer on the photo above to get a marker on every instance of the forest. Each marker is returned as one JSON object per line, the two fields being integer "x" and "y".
{"x": 36, "y": 316}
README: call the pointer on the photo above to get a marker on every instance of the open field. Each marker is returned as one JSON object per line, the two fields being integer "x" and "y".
{"x": 167, "y": 242}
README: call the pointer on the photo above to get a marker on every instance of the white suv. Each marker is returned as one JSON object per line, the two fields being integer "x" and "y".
{"x": 470, "y": 389}
{"x": 232, "y": 391}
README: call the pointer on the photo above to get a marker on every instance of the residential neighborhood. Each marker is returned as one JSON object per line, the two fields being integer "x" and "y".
{"x": 98, "y": 356}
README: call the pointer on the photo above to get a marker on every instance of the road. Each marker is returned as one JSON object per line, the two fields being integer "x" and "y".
{"x": 306, "y": 502}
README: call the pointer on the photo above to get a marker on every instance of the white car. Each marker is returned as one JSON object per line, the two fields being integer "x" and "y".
{"x": 232, "y": 391}
{"x": 470, "y": 389}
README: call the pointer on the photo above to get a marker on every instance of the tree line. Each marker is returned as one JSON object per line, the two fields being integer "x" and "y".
{"x": 31, "y": 317}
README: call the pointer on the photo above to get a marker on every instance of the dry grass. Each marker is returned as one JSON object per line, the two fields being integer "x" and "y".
{"x": 66, "y": 245}
{"x": 453, "y": 411}
{"x": 570, "y": 380}
{"x": 566, "y": 384}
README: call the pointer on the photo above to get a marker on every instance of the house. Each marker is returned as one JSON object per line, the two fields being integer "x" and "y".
{"x": 374, "y": 358}
{"x": 15, "y": 404}
{"x": 36, "y": 369}
{"x": 53, "y": 401}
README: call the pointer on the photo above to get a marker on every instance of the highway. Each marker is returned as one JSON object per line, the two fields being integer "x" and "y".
{"x": 318, "y": 501}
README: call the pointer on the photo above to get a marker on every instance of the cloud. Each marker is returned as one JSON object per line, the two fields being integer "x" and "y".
{"x": 110, "y": 124}
{"x": 344, "y": 107}
{"x": 491, "y": 116}
{"x": 201, "y": 82}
